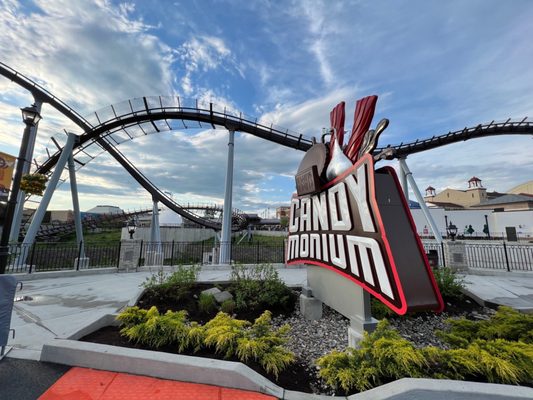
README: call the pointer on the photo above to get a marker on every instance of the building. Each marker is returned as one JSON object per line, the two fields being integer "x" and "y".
{"x": 104, "y": 209}
{"x": 282, "y": 211}
{"x": 458, "y": 199}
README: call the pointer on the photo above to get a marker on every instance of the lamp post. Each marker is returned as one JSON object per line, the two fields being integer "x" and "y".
{"x": 131, "y": 227}
{"x": 487, "y": 226}
{"x": 451, "y": 230}
{"x": 30, "y": 116}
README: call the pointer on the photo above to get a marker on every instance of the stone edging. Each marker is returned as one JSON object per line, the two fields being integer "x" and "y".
{"x": 239, "y": 376}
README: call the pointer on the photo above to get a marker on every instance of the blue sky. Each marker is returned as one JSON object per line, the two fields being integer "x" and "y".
{"x": 436, "y": 66}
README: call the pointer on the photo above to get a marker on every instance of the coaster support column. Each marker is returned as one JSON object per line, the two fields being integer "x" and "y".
{"x": 225, "y": 242}
{"x": 420, "y": 199}
{"x": 17, "y": 219}
{"x": 52, "y": 184}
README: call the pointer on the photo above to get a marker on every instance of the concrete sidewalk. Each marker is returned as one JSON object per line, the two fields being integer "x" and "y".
{"x": 509, "y": 289}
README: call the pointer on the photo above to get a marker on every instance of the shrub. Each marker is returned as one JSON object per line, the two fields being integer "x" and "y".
{"x": 496, "y": 361}
{"x": 132, "y": 316}
{"x": 207, "y": 303}
{"x": 507, "y": 324}
{"x": 259, "y": 287}
{"x": 228, "y": 306}
{"x": 159, "y": 330}
{"x": 264, "y": 344}
{"x": 449, "y": 282}
{"x": 175, "y": 285}
{"x": 222, "y": 333}
{"x": 499, "y": 350}
{"x": 383, "y": 355}
{"x": 380, "y": 310}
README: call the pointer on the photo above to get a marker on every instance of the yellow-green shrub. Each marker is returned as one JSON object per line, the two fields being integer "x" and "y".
{"x": 383, "y": 355}
{"x": 264, "y": 344}
{"x": 222, "y": 333}
{"x": 507, "y": 324}
{"x": 159, "y": 330}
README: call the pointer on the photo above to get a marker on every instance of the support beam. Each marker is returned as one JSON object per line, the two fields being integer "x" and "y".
{"x": 76, "y": 206}
{"x": 155, "y": 231}
{"x": 225, "y": 242}
{"x": 403, "y": 181}
{"x": 17, "y": 219}
{"x": 52, "y": 184}
{"x": 420, "y": 199}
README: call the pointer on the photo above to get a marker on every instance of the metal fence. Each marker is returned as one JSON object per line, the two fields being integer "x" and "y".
{"x": 503, "y": 256}
{"x": 61, "y": 256}
{"x": 69, "y": 256}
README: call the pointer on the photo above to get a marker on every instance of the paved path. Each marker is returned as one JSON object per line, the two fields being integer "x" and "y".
{"x": 511, "y": 290}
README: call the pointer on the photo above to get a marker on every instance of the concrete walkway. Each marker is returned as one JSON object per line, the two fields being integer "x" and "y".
{"x": 510, "y": 289}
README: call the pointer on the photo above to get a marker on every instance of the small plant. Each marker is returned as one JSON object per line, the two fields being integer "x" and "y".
{"x": 34, "y": 184}
{"x": 158, "y": 330}
{"x": 507, "y": 324}
{"x": 380, "y": 310}
{"x": 383, "y": 355}
{"x": 222, "y": 333}
{"x": 259, "y": 287}
{"x": 207, "y": 303}
{"x": 449, "y": 282}
{"x": 228, "y": 306}
{"x": 132, "y": 316}
{"x": 266, "y": 345}
{"x": 175, "y": 285}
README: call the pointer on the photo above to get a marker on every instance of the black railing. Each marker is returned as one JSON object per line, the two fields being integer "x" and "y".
{"x": 61, "y": 256}
{"x": 71, "y": 256}
{"x": 503, "y": 256}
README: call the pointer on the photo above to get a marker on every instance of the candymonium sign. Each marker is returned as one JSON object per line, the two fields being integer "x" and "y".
{"x": 354, "y": 220}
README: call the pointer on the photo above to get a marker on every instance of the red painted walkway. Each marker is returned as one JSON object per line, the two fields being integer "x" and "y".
{"x": 89, "y": 384}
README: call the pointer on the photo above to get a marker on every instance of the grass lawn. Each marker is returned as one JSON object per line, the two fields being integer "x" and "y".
{"x": 108, "y": 236}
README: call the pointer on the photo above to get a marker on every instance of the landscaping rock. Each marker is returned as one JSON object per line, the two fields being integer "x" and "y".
{"x": 221, "y": 297}
{"x": 212, "y": 291}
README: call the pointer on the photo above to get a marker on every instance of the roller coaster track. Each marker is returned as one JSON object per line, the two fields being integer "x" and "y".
{"x": 509, "y": 127}
{"x": 41, "y": 94}
{"x": 117, "y": 123}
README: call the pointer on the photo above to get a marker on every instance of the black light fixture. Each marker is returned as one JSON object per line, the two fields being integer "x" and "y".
{"x": 132, "y": 227}
{"x": 30, "y": 116}
{"x": 451, "y": 230}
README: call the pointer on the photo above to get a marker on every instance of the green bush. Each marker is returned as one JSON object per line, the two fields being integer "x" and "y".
{"x": 383, "y": 355}
{"x": 259, "y": 287}
{"x": 507, "y": 324}
{"x": 449, "y": 282}
{"x": 158, "y": 330}
{"x": 228, "y": 306}
{"x": 266, "y": 345}
{"x": 174, "y": 285}
{"x": 380, "y": 310}
{"x": 207, "y": 303}
{"x": 496, "y": 361}
{"x": 499, "y": 350}
{"x": 228, "y": 336}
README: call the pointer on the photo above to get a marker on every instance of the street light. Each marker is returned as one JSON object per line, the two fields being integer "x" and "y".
{"x": 451, "y": 230}
{"x": 30, "y": 116}
{"x": 131, "y": 228}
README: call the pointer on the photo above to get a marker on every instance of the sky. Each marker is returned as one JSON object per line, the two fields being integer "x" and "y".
{"x": 436, "y": 66}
